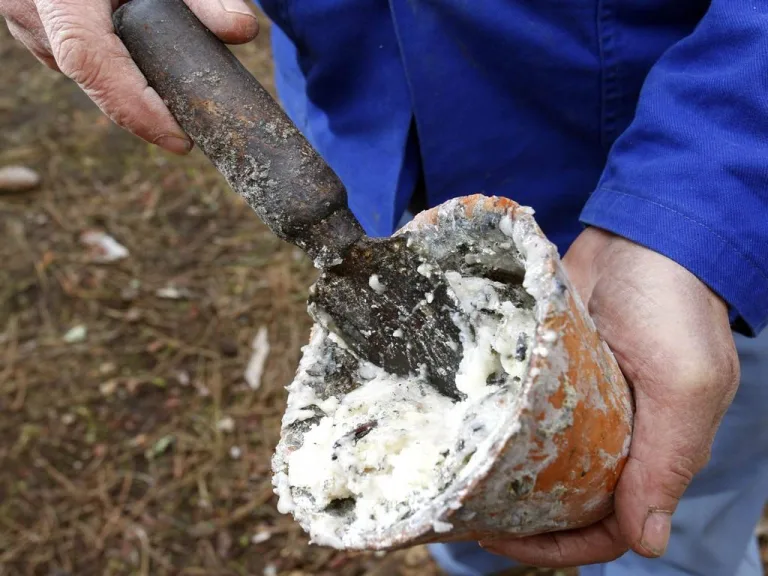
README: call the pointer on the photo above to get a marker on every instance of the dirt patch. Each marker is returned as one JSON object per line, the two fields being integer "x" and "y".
{"x": 131, "y": 443}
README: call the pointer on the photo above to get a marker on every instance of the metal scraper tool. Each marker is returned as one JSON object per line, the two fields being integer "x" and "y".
{"x": 369, "y": 292}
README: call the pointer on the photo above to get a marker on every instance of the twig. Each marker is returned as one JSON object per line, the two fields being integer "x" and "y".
{"x": 57, "y": 476}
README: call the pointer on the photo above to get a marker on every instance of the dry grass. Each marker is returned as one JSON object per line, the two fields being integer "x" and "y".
{"x": 112, "y": 458}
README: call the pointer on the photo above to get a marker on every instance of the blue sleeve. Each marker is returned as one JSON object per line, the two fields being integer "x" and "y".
{"x": 689, "y": 176}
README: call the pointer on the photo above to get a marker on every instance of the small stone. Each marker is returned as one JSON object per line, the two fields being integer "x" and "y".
{"x": 68, "y": 419}
{"x": 107, "y": 368}
{"x": 270, "y": 570}
{"x": 102, "y": 247}
{"x": 235, "y": 452}
{"x": 226, "y": 424}
{"x": 76, "y": 334}
{"x": 132, "y": 315}
{"x": 182, "y": 377}
{"x": 18, "y": 179}
{"x": 261, "y": 536}
{"x": 173, "y": 293}
{"x": 108, "y": 388}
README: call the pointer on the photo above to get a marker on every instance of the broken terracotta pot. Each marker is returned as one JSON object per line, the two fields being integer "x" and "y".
{"x": 542, "y": 451}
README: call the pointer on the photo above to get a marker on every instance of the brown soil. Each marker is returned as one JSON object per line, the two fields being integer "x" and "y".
{"x": 112, "y": 456}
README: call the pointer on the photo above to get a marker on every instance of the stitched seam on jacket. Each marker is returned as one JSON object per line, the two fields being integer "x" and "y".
{"x": 609, "y": 76}
{"x": 725, "y": 241}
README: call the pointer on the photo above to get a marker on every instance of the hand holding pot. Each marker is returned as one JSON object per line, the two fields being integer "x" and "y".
{"x": 671, "y": 336}
{"x": 76, "y": 37}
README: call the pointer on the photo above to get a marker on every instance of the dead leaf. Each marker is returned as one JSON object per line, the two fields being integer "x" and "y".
{"x": 18, "y": 179}
{"x": 255, "y": 368}
{"x": 159, "y": 447}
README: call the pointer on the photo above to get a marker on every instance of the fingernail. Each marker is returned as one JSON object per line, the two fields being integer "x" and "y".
{"x": 656, "y": 529}
{"x": 175, "y": 144}
{"x": 237, "y": 7}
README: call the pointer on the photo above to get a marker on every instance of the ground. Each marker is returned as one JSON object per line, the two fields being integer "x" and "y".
{"x": 130, "y": 442}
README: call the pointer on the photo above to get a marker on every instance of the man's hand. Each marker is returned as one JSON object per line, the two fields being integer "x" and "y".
{"x": 77, "y": 38}
{"x": 672, "y": 339}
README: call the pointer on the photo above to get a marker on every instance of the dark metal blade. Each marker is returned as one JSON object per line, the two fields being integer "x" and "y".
{"x": 266, "y": 160}
{"x": 401, "y": 320}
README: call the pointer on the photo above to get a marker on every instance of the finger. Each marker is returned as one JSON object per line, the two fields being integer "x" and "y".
{"x": 654, "y": 479}
{"x": 601, "y": 542}
{"x": 32, "y": 43}
{"x": 87, "y": 50}
{"x": 668, "y": 448}
{"x": 24, "y": 25}
{"x": 23, "y": 14}
{"x": 232, "y": 21}
{"x": 684, "y": 375}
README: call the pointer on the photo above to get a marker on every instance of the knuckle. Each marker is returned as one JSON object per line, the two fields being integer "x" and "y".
{"x": 122, "y": 115}
{"x": 24, "y": 17}
{"x": 732, "y": 368}
{"x": 86, "y": 59}
{"x": 75, "y": 56}
{"x": 44, "y": 56}
{"x": 662, "y": 483}
{"x": 703, "y": 374}
{"x": 616, "y": 551}
{"x": 679, "y": 475}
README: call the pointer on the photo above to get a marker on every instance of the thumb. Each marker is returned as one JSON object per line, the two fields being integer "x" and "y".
{"x": 232, "y": 21}
{"x": 675, "y": 425}
{"x": 86, "y": 50}
{"x": 661, "y": 461}
{"x": 660, "y": 467}
{"x": 672, "y": 339}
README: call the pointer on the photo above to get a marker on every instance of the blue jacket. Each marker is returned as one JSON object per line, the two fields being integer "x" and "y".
{"x": 648, "y": 118}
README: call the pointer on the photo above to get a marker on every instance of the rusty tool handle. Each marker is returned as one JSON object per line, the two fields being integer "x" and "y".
{"x": 239, "y": 127}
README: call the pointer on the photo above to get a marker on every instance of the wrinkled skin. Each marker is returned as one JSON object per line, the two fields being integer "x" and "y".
{"x": 77, "y": 38}
{"x": 669, "y": 332}
{"x": 671, "y": 336}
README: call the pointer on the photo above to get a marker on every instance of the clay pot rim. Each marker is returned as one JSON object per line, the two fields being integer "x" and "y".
{"x": 418, "y": 526}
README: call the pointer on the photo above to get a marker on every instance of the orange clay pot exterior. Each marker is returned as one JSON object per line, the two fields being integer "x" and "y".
{"x": 559, "y": 469}
{"x": 556, "y": 461}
